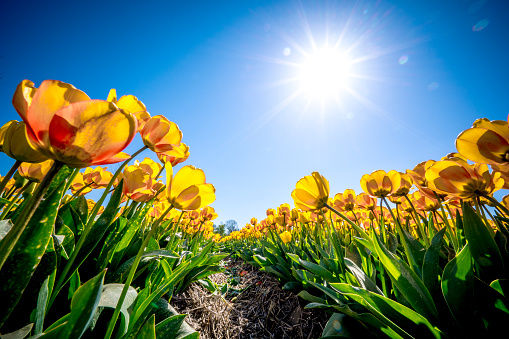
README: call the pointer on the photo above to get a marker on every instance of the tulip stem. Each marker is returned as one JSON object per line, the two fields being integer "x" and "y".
{"x": 9, "y": 241}
{"x": 9, "y": 174}
{"x": 107, "y": 188}
{"x": 63, "y": 277}
{"x": 71, "y": 179}
{"x": 132, "y": 271}
{"x": 480, "y": 211}
{"x": 417, "y": 215}
{"x": 13, "y": 201}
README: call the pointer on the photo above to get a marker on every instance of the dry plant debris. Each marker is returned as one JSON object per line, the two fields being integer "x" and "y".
{"x": 256, "y": 308}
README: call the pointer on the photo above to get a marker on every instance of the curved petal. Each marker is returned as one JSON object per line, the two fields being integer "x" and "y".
{"x": 51, "y": 96}
{"x": 483, "y": 146}
{"x": 186, "y": 177}
{"x": 90, "y": 132}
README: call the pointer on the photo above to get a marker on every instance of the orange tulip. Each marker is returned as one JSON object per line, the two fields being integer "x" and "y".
{"x": 138, "y": 185}
{"x": 344, "y": 201}
{"x": 380, "y": 184}
{"x": 487, "y": 142}
{"x": 311, "y": 192}
{"x": 365, "y": 201}
{"x": 79, "y": 185}
{"x": 149, "y": 166}
{"x": 208, "y": 213}
{"x": 161, "y": 135}
{"x": 419, "y": 179}
{"x": 65, "y": 125}
{"x": 462, "y": 180}
{"x": 96, "y": 178}
{"x": 187, "y": 190}
{"x": 175, "y": 156}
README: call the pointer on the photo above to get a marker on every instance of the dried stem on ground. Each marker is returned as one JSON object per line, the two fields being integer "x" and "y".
{"x": 261, "y": 310}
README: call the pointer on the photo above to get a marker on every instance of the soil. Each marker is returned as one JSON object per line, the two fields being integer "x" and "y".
{"x": 253, "y": 307}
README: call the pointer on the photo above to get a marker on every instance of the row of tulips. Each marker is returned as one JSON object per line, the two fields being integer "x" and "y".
{"x": 71, "y": 267}
{"x": 432, "y": 266}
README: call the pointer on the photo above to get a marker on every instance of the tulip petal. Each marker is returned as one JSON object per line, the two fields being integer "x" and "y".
{"x": 51, "y": 96}
{"x": 483, "y": 146}
{"x": 90, "y": 132}
{"x": 23, "y": 97}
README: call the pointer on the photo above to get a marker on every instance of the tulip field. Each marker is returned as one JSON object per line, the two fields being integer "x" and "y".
{"x": 419, "y": 254}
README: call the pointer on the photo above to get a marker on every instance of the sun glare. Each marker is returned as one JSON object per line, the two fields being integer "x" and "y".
{"x": 324, "y": 73}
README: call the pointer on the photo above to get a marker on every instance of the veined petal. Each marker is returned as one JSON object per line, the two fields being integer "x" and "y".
{"x": 90, "y": 132}
{"x": 483, "y": 146}
{"x": 119, "y": 157}
{"x": 51, "y": 96}
{"x": 23, "y": 97}
{"x": 185, "y": 177}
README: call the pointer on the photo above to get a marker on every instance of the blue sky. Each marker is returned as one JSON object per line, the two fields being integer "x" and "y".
{"x": 421, "y": 72}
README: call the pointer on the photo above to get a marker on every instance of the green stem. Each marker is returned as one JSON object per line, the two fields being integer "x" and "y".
{"x": 13, "y": 201}
{"x": 63, "y": 277}
{"x": 418, "y": 222}
{"x": 477, "y": 202}
{"x": 71, "y": 179}
{"x": 10, "y": 240}
{"x": 98, "y": 205}
{"x": 450, "y": 230}
{"x": 9, "y": 175}
{"x": 132, "y": 271}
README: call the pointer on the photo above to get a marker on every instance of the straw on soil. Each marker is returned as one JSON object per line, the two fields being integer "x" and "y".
{"x": 261, "y": 310}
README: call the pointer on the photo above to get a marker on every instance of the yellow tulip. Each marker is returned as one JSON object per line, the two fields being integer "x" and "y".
{"x": 311, "y": 192}
{"x": 187, "y": 190}
{"x": 161, "y": 135}
{"x": 462, "y": 180}
{"x": 35, "y": 171}
{"x": 286, "y": 237}
{"x": 487, "y": 142}
{"x": 16, "y": 145}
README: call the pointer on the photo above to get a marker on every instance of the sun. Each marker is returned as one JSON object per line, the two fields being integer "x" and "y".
{"x": 324, "y": 73}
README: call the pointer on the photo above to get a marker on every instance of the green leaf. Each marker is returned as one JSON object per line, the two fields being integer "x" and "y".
{"x": 401, "y": 318}
{"x": 5, "y": 227}
{"x": 122, "y": 272}
{"x": 84, "y": 304}
{"x": 343, "y": 326}
{"x": 492, "y": 307}
{"x": 109, "y": 299}
{"x": 458, "y": 290}
{"x": 311, "y": 298}
{"x": 318, "y": 270}
{"x": 361, "y": 277}
{"x": 482, "y": 246}
{"x": 62, "y": 176}
{"x": 410, "y": 285}
{"x": 19, "y": 334}
{"x": 142, "y": 310}
{"x": 100, "y": 227}
{"x": 431, "y": 271}
{"x": 501, "y": 286}
{"x": 27, "y": 253}
{"x": 413, "y": 249}
{"x": 148, "y": 331}
{"x": 169, "y": 327}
